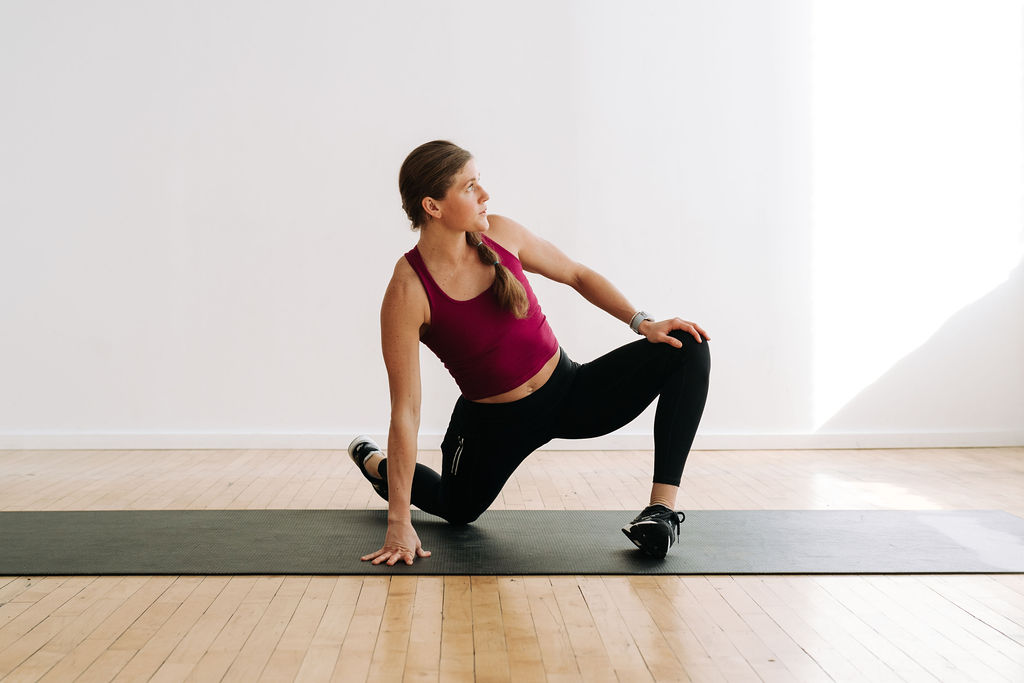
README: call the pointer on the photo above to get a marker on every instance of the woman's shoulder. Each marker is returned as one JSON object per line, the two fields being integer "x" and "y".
{"x": 405, "y": 309}
{"x": 506, "y": 232}
{"x": 405, "y": 286}
{"x": 404, "y": 275}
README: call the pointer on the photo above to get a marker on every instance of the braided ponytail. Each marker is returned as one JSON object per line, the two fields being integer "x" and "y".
{"x": 509, "y": 290}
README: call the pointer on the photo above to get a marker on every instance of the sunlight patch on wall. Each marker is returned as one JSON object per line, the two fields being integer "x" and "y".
{"x": 918, "y": 170}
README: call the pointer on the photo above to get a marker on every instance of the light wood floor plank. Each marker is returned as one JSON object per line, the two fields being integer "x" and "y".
{"x": 286, "y": 659}
{"x": 457, "y": 630}
{"x": 665, "y": 646}
{"x": 146, "y": 624}
{"x": 321, "y": 656}
{"x": 12, "y": 586}
{"x": 164, "y": 640}
{"x": 200, "y": 636}
{"x": 105, "y": 666}
{"x": 861, "y": 642}
{"x": 252, "y": 658}
{"x": 423, "y": 658}
{"x": 73, "y": 649}
{"x": 30, "y": 619}
{"x": 392, "y": 645}
{"x": 491, "y": 657}
{"x": 779, "y": 643}
{"x": 999, "y": 612}
{"x": 626, "y": 660}
{"x": 525, "y": 662}
{"x": 592, "y": 658}
{"x": 358, "y": 648}
{"x": 226, "y": 647}
{"x": 868, "y": 619}
{"x": 744, "y": 645}
{"x": 552, "y": 636}
{"x": 805, "y": 620}
{"x": 990, "y": 649}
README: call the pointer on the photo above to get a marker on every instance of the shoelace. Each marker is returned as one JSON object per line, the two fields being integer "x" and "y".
{"x": 677, "y": 519}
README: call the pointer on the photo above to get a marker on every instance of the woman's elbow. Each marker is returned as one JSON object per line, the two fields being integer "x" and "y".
{"x": 405, "y": 417}
{"x": 577, "y": 278}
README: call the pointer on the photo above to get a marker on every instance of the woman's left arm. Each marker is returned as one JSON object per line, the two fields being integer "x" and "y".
{"x": 540, "y": 256}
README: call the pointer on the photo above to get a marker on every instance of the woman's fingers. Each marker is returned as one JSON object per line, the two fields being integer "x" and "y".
{"x": 378, "y": 556}
{"x": 401, "y": 544}
{"x": 692, "y": 329}
{"x": 395, "y": 557}
{"x": 659, "y": 332}
{"x": 392, "y": 556}
{"x": 695, "y": 330}
{"x": 685, "y": 326}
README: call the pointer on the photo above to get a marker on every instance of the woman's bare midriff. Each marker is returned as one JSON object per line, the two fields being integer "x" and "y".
{"x": 529, "y": 386}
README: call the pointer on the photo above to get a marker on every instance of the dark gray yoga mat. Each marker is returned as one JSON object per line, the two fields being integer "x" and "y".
{"x": 509, "y": 542}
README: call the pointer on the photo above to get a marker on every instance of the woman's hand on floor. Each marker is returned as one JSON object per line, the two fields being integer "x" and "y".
{"x": 401, "y": 543}
{"x": 658, "y": 331}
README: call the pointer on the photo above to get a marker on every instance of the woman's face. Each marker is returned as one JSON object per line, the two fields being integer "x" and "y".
{"x": 464, "y": 206}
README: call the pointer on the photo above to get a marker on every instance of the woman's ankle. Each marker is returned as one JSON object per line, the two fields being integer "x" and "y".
{"x": 664, "y": 494}
{"x": 372, "y": 464}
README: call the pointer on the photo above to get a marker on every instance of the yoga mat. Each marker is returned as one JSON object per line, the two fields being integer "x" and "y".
{"x": 509, "y": 542}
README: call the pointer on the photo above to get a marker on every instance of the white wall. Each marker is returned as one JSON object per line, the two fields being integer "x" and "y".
{"x": 199, "y": 208}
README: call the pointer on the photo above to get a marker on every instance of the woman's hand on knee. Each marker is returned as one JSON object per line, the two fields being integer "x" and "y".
{"x": 401, "y": 543}
{"x": 658, "y": 332}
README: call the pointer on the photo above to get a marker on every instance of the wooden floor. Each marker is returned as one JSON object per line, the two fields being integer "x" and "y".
{"x": 562, "y": 628}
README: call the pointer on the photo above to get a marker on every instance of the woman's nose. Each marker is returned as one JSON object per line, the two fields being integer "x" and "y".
{"x": 483, "y": 194}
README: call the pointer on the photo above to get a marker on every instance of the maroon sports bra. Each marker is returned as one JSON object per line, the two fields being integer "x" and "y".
{"x": 487, "y": 350}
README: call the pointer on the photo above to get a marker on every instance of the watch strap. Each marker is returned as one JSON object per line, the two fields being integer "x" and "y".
{"x": 638, "y": 318}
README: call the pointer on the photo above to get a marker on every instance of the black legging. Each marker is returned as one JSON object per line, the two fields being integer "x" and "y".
{"x": 486, "y": 442}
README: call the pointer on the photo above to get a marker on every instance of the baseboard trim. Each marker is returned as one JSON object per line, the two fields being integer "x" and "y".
{"x": 431, "y": 441}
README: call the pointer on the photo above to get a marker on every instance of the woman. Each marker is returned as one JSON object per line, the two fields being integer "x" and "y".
{"x": 462, "y": 291}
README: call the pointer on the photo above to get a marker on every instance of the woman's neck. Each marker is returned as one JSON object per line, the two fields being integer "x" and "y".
{"x": 448, "y": 247}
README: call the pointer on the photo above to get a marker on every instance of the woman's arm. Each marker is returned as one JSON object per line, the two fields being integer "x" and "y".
{"x": 540, "y": 256}
{"x": 403, "y": 311}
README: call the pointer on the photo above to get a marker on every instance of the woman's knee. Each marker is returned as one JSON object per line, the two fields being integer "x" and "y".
{"x": 462, "y": 515}
{"x": 697, "y": 354}
{"x": 460, "y": 519}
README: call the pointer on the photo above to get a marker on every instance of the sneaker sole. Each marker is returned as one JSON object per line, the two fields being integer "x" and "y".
{"x": 649, "y": 537}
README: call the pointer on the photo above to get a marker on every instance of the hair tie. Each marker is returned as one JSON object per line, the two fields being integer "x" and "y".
{"x": 496, "y": 263}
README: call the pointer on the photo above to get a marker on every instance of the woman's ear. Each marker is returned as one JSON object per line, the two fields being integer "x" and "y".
{"x": 431, "y": 207}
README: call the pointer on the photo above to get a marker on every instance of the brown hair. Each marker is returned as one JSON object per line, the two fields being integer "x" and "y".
{"x": 429, "y": 171}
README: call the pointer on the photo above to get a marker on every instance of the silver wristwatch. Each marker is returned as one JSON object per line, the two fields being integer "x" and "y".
{"x": 640, "y": 316}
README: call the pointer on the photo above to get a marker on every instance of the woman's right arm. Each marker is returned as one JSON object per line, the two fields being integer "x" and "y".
{"x": 404, "y": 310}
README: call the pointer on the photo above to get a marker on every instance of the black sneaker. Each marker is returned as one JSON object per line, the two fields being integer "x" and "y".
{"x": 359, "y": 450}
{"x": 654, "y": 530}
